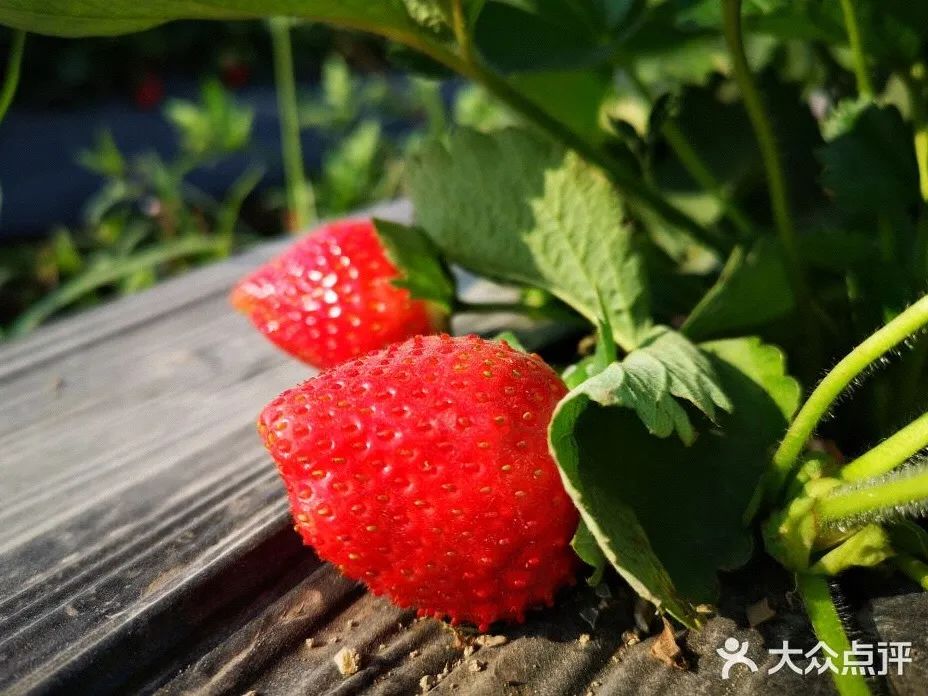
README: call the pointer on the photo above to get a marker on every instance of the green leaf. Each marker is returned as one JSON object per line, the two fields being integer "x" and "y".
{"x": 587, "y": 548}
{"x": 472, "y": 10}
{"x": 668, "y": 515}
{"x": 810, "y": 21}
{"x": 67, "y": 257}
{"x": 528, "y": 35}
{"x": 348, "y": 169}
{"x": 718, "y": 131}
{"x": 870, "y": 167}
{"x": 214, "y": 126}
{"x": 434, "y": 15}
{"x": 416, "y": 257}
{"x": 667, "y": 367}
{"x": 690, "y": 374}
{"x": 107, "y": 17}
{"x": 573, "y": 97}
{"x": 104, "y": 158}
{"x": 910, "y": 537}
{"x": 753, "y": 289}
{"x": 519, "y": 208}
{"x": 895, "y": 30}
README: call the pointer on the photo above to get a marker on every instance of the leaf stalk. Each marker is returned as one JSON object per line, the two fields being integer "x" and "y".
{"x": 906, "y": 324}
{"x": 773, "y": 166}
{"x": 14, "y": 68}
{"x": 300, "y": 203}
{"x": 891, "y": 453}
{"x": 816, "y": 595}
{"x": 852, "y": 26}
{"x": 850, "y": 503}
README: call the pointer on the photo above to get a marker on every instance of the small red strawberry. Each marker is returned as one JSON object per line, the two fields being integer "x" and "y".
{"x": 330, "y": 296}
{"x": 423, "y": 469}
{"x": 149, "y": 92}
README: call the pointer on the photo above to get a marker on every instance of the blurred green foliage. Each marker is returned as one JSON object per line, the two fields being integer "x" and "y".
{"x": 148, "y": 221}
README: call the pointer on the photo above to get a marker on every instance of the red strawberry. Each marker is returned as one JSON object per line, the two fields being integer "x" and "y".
{"x": 149, "y": 92}
{"x": 330, "y": 296}
{"x": 423, "y": 469}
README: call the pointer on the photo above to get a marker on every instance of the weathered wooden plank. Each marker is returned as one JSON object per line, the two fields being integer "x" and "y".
{"x": 130, "y": 468}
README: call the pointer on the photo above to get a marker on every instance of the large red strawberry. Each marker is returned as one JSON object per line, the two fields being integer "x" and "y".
{"x": 423, "y": 469}
{"x": 330, "y": 296}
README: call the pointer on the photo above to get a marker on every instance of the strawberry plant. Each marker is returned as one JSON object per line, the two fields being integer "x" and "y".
{"x": 729, "y": 199}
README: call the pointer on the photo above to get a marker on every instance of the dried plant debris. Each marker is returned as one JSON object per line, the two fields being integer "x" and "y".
{"x": 666, "y": 650}
{"x": 348, "y": 661}
{"x": 759, "y": 612}
{"x": 487, "y": 641}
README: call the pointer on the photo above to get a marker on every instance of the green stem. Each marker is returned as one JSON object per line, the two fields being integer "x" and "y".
{"x": 864, "y": 86}
{"x": 915, "y": 569}
{"x": 14, "y": 68}
{"x": 696, "y": 168}
{"x": 816, "y": 595}
{"x": 694, "y": 164}
{"x": 461, "y": 32}
{"x": 836, "y": 381}
{"x": 773, "y": 166}
{"x": 227, "y": 218}
{"x": 850, "y": 503}
{"x": 300, "y": 203}
{"x": 891, "y": 453}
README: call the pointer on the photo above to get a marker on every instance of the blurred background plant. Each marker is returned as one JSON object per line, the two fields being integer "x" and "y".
{"x": 149, "y": 219}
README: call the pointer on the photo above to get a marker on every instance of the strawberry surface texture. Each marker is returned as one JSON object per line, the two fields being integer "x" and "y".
{"x": 423, "y": 470}
{"x": 330, "y": 296}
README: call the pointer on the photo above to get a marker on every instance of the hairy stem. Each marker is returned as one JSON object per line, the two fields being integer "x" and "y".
{"x": 852, "y": 26}
{"x": 300, "y": 203}
{"x": 773, "y": 166}
{"x": 816, "y": 596}
{"x": 14, "y": 68}
{"x": 849, "y": 503}
{"x": 836, "y": 381}
{"x": 891, "y": 453}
